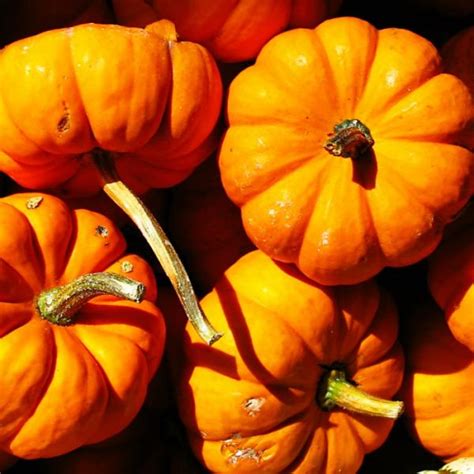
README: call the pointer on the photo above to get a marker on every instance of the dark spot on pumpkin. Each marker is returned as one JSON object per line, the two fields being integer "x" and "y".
{"x": 102, "y": 231}
{"x": 64, "y": 123}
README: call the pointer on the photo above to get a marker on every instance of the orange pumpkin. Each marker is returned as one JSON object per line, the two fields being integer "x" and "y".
{"x": 451, "y": 281}
{"x": 380, "y": 188}
{"x": 232, "y": 30}
{"x": 205, "y": 226}
{"x": 75, "y": 365}
{"x": 23, "y": 18}
{"x": 438, "y": 386}
{"x": 115, "y": 108}
{"x": 458, "y": 58}
{"x": 266, "y": 397}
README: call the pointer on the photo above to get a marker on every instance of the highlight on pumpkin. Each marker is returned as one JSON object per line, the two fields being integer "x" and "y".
{"x": 123, "y": 109}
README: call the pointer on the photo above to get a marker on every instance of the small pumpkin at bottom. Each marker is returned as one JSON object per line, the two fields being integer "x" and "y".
{"x": 76, "y": 356}
{"x": 287, "y": 388}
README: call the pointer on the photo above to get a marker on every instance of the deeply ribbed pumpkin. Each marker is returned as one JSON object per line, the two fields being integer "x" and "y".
{"x": 267, "y": 396}
{"x": 104, "y": 106}
{"x": 76, "y": 356}
{"x": 232, "y": 30}
{"x": 344, "y": 149}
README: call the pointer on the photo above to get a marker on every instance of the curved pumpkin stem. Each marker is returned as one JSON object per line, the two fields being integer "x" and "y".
{"x": 60, "y": 304}
{"x": 160, "y": 244}
{"x": 336, "y": 391}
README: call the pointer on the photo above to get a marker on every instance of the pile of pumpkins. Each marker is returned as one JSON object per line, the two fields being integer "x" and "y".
{"x": 237, "y": 236}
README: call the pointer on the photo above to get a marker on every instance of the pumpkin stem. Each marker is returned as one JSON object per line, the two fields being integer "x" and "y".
{"x": 336, "y": 391}
{"x": 60, "y": 304}
{"x": 458, "y": 466}
{"x": 350, "y": 139}
{"x": 160, "y": 244}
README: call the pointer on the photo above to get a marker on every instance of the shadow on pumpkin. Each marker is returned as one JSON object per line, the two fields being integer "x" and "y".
{"x": 364, "y": 170}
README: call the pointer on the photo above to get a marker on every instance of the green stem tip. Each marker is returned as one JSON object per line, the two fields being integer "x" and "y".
{"x": 336, "y": 391}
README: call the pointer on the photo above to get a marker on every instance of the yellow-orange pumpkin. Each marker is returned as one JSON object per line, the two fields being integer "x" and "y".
{"x": 75, "y": 362}
{"x": 344, "y": 149}
{"x": 252, "y": 402}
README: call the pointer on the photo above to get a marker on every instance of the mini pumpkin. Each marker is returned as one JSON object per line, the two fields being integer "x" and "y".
{"x": 451, "y": 281}
{"x": 233, "y": 31}
{"x": 438, "y": 386}
{"x": 287, "y": 389}
{"x": 76, "y": 356}
{"x": 115, "y": 108}
{"x": 343, "y": 149}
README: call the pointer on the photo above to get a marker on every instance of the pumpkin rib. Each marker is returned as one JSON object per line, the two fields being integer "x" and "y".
{"x": 18, "y": 321}
{"x": 44, "y": 387}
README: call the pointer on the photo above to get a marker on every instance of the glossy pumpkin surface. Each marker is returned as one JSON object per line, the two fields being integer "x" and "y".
{"x": 438, "y": 386}
{"x": 451, "y": 281}
{"x": 249, "y": 401}
{"x": 139, "y": 95}
{"x": 232, "y": 30}
{"x": 64, "y": 386}
{"x": 342, "y": 219}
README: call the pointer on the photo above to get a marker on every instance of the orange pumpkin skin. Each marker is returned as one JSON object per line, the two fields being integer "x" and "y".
{"x": 451, "y": 282}
{"x": 140, "y": 95}
{"x": 77, "y": 384}
{"x": 217, "y": 238}
{"x": 458, "y": 59}
{"x": 342, "y": 220}
{"x": 248, "y": 401}
{"x": 233, "y": 31}
{"x": 438, "y": 386}
{"x": 29, "y": 17}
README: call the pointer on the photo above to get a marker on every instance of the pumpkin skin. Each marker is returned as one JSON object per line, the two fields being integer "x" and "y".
{"x": 29, "y": 17}
{"x": 217, "y": 239}
{"x": 81, "y": 383}
{"x": 139, "y": 95}
{"x": 438, "y": 386}
{"x": 233, "y": 31}
{"x": 342, "y": 220}
{"x": 451, "y": 282}
{"x": 249, "y": 401}
{"x": 458, "y": 59}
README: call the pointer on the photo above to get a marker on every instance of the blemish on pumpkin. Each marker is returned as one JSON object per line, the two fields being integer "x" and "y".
{"x": 102, "y": 231}
{"x": 253, "y": 405}
{"x": 235, "y": 453}
{"x": 34, "y": 202}
{"x": 64, "y": 123}
{"x": 126, "y": 266}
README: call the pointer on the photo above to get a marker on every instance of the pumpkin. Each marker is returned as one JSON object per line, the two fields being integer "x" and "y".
{"x": 217, "y": 238}
{"x": 76, "y": 355}
{"x": 287, "y": 389}
{"x": 451, "y": 281}
{"x": 115, "y": 108}
{"x": 28, "y": 17}
{"x": 380, "y": 188}
{"x": 438, "y": 385}
{"x": 233, "y": 31}
{"x": 458, "y": 59}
